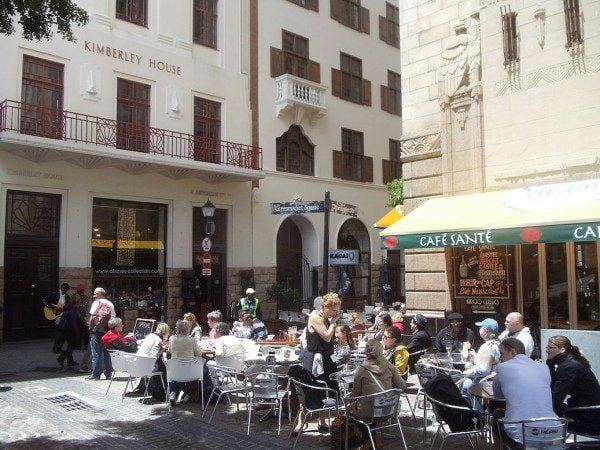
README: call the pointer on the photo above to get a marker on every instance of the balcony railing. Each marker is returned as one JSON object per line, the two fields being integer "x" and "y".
{"x": 75, "y": 127}
{"x": 295, "y": 92}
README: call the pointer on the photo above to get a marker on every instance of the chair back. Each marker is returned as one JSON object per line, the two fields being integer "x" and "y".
{"x": 235, "y": 362}
{"x": 264, "y": 385}
{"x": 386, "y": 404}
{"x": 542, "y": 432}
{"x": 119, "y": 364}
{"x": 139, "y": 365}
{"x": 185, "y": 369}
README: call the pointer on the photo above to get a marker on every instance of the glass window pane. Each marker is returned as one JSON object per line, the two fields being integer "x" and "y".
{"x": 588, "y": 308}
{"x": 556, "y": 273}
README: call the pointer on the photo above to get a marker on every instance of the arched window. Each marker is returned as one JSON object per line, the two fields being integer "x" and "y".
{"x": 295, "y": 153}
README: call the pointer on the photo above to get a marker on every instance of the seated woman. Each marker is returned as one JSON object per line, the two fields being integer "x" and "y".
{"x": 420, "y": 339}
{"x": 113, "y": 339}
{"x": 375, "y": 374}
{"x": 182, "y": 345}
{"x": 384, "y": 321}
{"x": 153, "y": 346}
{"x": 487, "y": 357}
{"x": 395, "y": 352}
{"x": 195, "y": 329}
{"x": 397, "y": 320}
{"x": 356, "y": 324}
{"x": 344, "y": 342}
{"x": 571, "y": 376}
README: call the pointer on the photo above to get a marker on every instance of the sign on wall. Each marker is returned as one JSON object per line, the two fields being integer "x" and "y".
{"x": 342, "y": 257}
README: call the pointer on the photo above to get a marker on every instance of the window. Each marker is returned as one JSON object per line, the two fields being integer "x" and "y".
{"x": 389, "y": 26}
{"x": 295, "y": 153}
{"x": 348, "y": 83}
{"x": 134, "y": 11}
{"x": 573, "y": 23}
{"x": 350, "y": 163}
{"x": 293, "y": 58}
{"x": 42, "y": 97}
{"x": 509, "y": 37}
{"x": 351, "y": 14}
{"x": 207, "y": 130}
{"x": 392, "y": 168}
{"x": 205, "y": 22}
{"x": 308, "y": 4}
{"x": 133, "y": 115}
{"x": 391, "y": 95}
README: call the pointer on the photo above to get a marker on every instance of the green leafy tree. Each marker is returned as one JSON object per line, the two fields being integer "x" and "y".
{"x": 38, "y": 17}
{"x": 396, "y": 190}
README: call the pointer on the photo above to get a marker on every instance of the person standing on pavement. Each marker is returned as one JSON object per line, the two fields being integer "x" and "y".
{"x": 74, "y": 327}
{"x": 235, "y": 306}
{"x": 55, "y": 301}
{"x": 515, "y": 328}
{"x": 252, "y": 303}
{"x": 454, "y": 335}
{"x": 101, "y": 312}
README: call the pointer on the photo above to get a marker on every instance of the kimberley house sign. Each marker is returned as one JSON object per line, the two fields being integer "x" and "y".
{"x": 130, "y": 57}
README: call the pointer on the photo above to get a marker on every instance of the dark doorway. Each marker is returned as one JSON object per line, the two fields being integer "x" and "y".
{"x": 289, "y": 255}
{"x": 30, "y": 262}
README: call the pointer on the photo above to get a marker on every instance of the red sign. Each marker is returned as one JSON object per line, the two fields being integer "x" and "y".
{"x": 206, "y": 261}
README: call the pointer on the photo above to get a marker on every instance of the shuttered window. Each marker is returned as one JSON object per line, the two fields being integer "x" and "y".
{"x": 134, "y": 11}
{"x": 391, "y": 95}
{"x": 205, "y": 22}
{"x": 389, "y": 26}
{"x": 350, "y": 163}
{"x": 509, "y": 37}
{"x": 292, "y": 58}
{"x": 348, "y": 83}
{"x": 572, "y": 22}
{"x": 351, "y": 14}
{"x": 392, "y": 168}
{"x": 308, "y": 4}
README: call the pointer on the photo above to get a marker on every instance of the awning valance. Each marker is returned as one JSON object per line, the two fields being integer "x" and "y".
{"x": 391, "y": 217}
{"x": 553, "y": 213}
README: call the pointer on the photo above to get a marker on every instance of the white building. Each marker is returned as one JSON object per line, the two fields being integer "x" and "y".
{"x": 110, "y": 145}
{"x": 502, "y": 94}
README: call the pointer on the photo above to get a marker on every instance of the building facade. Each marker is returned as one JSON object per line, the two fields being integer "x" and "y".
{"x": 110, "y": 146}
{"x": 497, "y": 95}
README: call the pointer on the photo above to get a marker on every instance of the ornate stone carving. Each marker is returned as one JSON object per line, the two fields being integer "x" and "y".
{"x": 540, "y": 22}
{"x": 421, "y": 145}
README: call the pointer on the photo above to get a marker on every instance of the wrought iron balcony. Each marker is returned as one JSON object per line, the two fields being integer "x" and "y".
{"x": 149, "y": 147}
{"x": 297, "y": 96}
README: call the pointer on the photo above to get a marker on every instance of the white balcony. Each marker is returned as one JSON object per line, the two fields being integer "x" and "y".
{"x": 298, "y": 97}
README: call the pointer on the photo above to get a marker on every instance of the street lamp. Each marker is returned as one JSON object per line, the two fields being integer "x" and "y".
{"x": 208, "y": 211}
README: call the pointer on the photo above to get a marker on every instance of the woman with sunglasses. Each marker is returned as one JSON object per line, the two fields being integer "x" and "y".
{"x": 395, "y": 352}
{"x": 571, "y": 376}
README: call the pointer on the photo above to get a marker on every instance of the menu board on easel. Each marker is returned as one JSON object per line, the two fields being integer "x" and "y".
{"x": 481, "y": 276}
{"x": 143, "y": 327}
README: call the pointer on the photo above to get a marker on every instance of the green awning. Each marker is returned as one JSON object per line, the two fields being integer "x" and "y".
{"x": 553, "y": 213}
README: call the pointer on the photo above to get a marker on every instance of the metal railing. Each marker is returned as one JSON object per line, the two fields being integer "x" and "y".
{"x": 76, "y": 127}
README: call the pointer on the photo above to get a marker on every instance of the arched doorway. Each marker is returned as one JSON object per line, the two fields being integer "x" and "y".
{"x": 353, "y": 235}
{"x": 289, "y": 255}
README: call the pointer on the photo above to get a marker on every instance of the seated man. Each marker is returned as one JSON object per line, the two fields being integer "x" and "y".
{"x": 525, "y": 385}
{"x": 257, "y": 331}
{"x": 454, "y": 335}
{"x": 239, "y": 329}
{"x": 516, "y": 328}
{"x": 225, "y": 344}
{"x": 113, "y": 339}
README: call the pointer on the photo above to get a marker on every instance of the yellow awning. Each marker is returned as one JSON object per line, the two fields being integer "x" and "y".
{"x": 392, "y": 216}
{"x": 553, "y": 213}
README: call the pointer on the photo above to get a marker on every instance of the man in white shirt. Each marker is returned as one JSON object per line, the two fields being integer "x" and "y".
{"x": 515, "y": 328}
{"x": 226, "y": 344}
{"x": 101, "y": 312}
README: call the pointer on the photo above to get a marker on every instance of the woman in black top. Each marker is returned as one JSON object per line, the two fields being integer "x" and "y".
{"x": 571, "y": 375}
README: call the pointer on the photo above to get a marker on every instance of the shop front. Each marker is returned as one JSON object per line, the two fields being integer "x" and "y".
{"x": 534, "y": 250}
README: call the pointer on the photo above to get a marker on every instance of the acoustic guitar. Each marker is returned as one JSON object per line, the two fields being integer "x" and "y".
{"x": 52, "y": 314}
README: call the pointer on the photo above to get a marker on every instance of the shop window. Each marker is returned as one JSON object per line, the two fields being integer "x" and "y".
{"x": 586, "y": 273}
{"x": 134, "y": 11}
{"x": 42, "y": 97}
{"x": 573, "y": 23}
{"x": 207, "y": 130}
{"x": 348, "y": 83}
{"x": 295, "y": 153}
{"x": 391, "y": 95}
{"x": 509, "y": 37}
{"x": 351, "y": 14}
{"x": 205, "y": 22}
{"x": 293, "y": 58}
{"x": 557, "y": 286}
{"x": 389, "y": 26}
{"x": 308, "y": 4}
{"x": 133, "y": 115}
{"x": 392, "y": 168}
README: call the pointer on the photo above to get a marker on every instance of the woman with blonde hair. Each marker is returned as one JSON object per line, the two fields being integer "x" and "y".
{"x": 195, "y": 329}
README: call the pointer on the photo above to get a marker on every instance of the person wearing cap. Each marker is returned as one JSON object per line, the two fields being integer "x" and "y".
{"x": 420, "y": 339}
{"x": 487, "y": 357}
{"x": 454, "y": 335}
{"x": 252, "y": 303}
{"x": 82, "y": 302}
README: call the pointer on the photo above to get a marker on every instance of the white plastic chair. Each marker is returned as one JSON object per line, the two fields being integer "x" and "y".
{"x": 235, "y": 362}
{"x": 135, "y": 366}
{"x": 185, "y": 370}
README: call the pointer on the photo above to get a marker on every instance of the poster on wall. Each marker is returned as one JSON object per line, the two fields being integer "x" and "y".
{"x": 481, "y": 277}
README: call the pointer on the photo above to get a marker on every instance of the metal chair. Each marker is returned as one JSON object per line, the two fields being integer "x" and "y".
{"x": 226, "y": 382}
{"x": 135, "y": 366}
{"x": 264, "y": 388}
{"x": 572, "y": 412}
{"x": 477, "y": 429}
{"x": 185, "y": 370}
{"x": 329, "y": 403}
{"x": 542, "y": 432}
{"x": 382, "y": 407}
{"x": 235, "y": 362}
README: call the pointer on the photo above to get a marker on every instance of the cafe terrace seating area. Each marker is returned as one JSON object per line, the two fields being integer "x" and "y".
{"x": 256, "y": 392}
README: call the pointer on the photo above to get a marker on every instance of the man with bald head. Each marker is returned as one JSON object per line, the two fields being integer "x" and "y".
{"x": 516, "y": 329}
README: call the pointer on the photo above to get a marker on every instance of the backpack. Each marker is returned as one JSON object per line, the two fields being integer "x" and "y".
{"x": 100, "y": 317}
{"x": 443, "y": 389}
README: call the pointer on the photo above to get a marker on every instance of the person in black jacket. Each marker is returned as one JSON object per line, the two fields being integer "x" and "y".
{"x": 420, "y": 339}
{"x": 454, "y": 335}
{"x": 571, "y": 375}
{"x": 73, "y": 327}
{"x": 56, "y": 300}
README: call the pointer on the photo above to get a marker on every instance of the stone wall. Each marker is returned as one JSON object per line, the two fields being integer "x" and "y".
{"x": 75, "y": 276}
{"x": 174, "y": 300}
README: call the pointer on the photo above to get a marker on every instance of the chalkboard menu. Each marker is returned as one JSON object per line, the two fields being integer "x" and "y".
{"x": 143, "y": 327}
{"x": 481, "y": 276}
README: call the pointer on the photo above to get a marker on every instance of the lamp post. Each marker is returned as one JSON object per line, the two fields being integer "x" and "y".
{"x": 208, "y": 211}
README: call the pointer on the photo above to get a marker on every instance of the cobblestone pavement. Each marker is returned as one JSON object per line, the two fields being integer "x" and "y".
{"x": 44, "y": 406}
